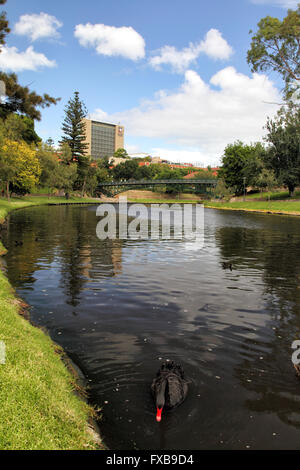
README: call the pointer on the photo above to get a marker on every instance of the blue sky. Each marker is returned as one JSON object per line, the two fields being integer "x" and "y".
{"x": 173, "y": 72}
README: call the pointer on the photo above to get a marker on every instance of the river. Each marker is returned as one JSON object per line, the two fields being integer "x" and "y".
{"x": 120, "y": 307}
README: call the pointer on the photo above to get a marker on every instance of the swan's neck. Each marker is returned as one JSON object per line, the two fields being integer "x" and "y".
{"x": 160, "y": 394}
{"x": 160, "y": 399}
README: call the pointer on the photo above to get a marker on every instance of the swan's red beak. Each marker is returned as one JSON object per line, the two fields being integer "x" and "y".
{"x": 158, "y": 414}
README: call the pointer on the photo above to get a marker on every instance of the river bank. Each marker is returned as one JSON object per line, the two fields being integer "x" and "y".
{"x": 22, "y": 202}
{"x": 152, "y": 197}
{"x": 280, "y": 207}
{"x": 42, "y": 402}
{"x": 279, "y": 202}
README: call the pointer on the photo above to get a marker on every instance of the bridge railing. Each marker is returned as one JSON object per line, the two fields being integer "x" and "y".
{"x": 207, "y": 182}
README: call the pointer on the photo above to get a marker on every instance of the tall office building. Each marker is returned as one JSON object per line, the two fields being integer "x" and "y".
{"x": 103, "y": 139}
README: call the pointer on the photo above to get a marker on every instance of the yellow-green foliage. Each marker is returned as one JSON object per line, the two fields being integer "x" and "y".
{"x": 20, "y": 164}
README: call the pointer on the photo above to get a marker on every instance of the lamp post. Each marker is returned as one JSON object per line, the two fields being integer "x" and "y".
{"x": 244, "y": 187}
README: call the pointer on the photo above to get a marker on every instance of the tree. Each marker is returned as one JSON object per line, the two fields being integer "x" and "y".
{"x": 65, "y": 153}
{"x": 145, "y": 172}
{"x": 104, "y": 163}
{"x": 103, "y": 176}
{"x": 202, "y": 174}
{"x": 254, "y": 164}
{"x": 167, "y": 173}
{"x": 73, "y": 126}
{"x": 276, "y": 46}
{"x": 19, "y": 166}
{"x": 49, "y": 166}
{"x": 121, "y": 153}
{"x": 125, "y": 170}
{"x": 64, "y": 177}
{"x": 266, "y": 180}
{"x": 283, "y": 155}
{"x": 239, "y": 162}
{"x": 66, "y": 173}
{"x": 84, "y": 164}
{"x": 4, "y": 29}
{"x": 19, "y": 99}
{"x": 50, "y": 142}
{"x": 93, "y": 173}
{"x": 221, "y": 191}
{"x": 20, "y": 128}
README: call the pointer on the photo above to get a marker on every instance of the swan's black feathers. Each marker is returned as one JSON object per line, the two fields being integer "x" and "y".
{"x": 176, "y": 384}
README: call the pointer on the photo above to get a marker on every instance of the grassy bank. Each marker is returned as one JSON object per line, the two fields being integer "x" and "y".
{"x": 291, "y": 207}
{"x": 154, "y": 197}
{"x": 39, "y": 409}
{"x": 276, "y": 202}
{"x": 274, "y": 195}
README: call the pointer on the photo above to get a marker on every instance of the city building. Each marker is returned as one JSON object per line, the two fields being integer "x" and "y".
{"x": 103, "y": 139}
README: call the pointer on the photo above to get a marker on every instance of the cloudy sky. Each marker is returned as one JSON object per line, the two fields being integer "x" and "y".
{"x": 173, "y": 72}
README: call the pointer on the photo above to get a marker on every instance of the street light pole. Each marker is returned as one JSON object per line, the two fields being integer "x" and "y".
{"x": 244, "y": 187}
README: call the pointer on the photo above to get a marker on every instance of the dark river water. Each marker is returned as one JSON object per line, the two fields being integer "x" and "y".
{"x": 120, "y": 307}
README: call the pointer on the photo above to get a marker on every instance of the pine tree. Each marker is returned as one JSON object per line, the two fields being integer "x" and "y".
{"x": 4, "y": 28}
{"x": 50, "y": 143}
{"x": 74, "y": 127}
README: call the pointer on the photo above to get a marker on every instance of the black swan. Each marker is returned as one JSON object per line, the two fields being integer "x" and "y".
{"x": 169, "y": 387}
{"x": 227, "y": 265}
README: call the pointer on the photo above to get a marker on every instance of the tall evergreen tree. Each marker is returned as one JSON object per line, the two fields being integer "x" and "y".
{"x": 73, "y": 126}
{"x": 4, "y": 28}
{"x": 50, "y": 143}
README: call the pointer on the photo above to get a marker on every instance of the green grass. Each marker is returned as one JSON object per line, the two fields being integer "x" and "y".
{"x": 275, "y": 195}
{"x": 274, "y": 205}
{"x": 284, "y": 206}
{"x": 39, "y": 408}
{"x": 44, "y": 190}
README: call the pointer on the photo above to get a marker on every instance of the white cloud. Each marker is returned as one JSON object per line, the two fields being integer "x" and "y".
{"x": 38, "y": 26}
{"x": 15, "y": 61}
{"x": 281, "y": 3}
{"x": 111, "y": 41}
{"x": 179, "y": 60}
{"x": 214, "y": 46}
{"x": 204, "y": 117}
{"x": 133, "y": 149}
{"x": 101, "y": 115}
